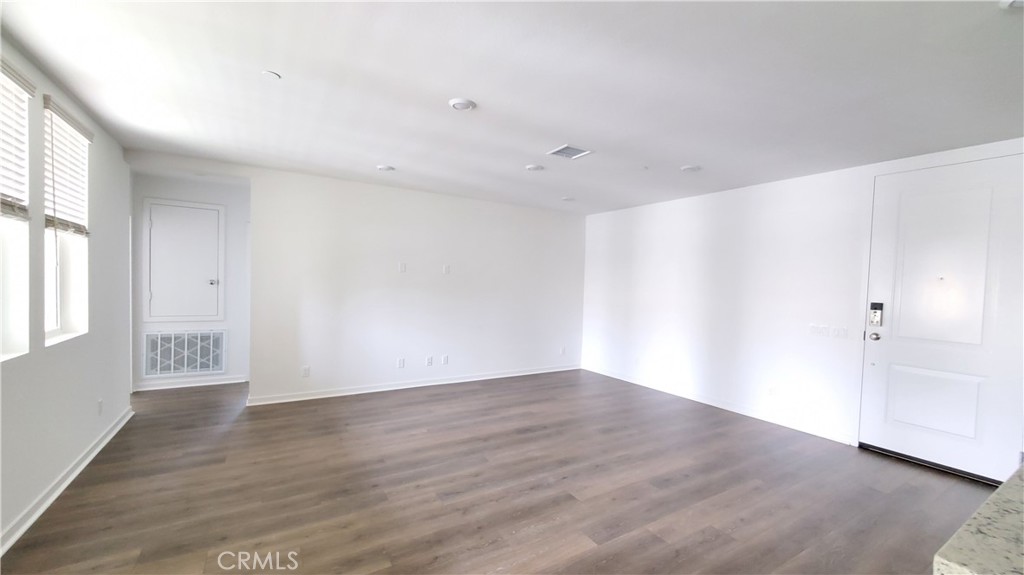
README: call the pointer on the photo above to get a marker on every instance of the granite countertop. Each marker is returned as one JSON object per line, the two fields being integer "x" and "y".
{"x": 992, "y": 540}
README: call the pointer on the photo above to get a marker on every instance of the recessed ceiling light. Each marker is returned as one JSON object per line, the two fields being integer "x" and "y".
{"x": 568, "y": 199}
{"x": 690, "y": 168}
{"x": 461, "y": 104}
{"x": 386, "y": 168}
{"x": 271, "y": 75}
{"x": 534, "y": 167}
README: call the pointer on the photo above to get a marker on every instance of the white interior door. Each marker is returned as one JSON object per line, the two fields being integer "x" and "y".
{"x": 186, "y": 245}
{"x": 943, "y": 370}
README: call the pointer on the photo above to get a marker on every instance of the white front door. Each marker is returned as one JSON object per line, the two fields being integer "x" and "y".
{"x": 185, "y": 261}
{"x": 943, "y": 370}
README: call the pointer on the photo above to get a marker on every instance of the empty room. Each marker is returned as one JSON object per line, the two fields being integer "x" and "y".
{"x": 512, "y": 287}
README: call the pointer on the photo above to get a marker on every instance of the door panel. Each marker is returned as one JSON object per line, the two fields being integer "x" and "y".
{"x": 936, "y": 400}
{"x": 943, "y": 371}
{"x": 185, "y": 259}
{"x": 941, "y": 286}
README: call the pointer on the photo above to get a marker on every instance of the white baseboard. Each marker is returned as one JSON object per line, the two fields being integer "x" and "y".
{"x": 731, "y": 406}
{"x": 391, "y": 386}
{"x": 25, "y": 520}
{"x": 174, "y": 383}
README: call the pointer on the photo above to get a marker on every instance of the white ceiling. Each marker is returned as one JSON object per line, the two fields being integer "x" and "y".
{"x": 753, "y": 92}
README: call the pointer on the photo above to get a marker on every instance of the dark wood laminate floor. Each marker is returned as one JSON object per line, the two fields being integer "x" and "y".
{"x": 569, "y": 472}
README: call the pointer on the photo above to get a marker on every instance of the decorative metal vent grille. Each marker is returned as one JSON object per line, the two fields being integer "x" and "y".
{"x": 184, "y": 352}
{"x": 568, "y": 151}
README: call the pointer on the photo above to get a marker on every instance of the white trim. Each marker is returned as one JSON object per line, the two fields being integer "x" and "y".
{"x": 18, "y": 78}
{"x": 341, "y": 391}
{"x": 25, "y": 520}
{"x": 147, "y": 289}
{"x": 729, "y": 406}
{"x": 12, "y": 355}
{"x": 55, "y": 336}
{"x": 68, "y": 117}
{"x": 175, "y": 383}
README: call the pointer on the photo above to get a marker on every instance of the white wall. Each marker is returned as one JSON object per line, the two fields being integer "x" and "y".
{"x": 234, "y": 197}
{"x": 751, "y": 299}
{"x": 51, "y": 421}
{"x": 328, "y": 293}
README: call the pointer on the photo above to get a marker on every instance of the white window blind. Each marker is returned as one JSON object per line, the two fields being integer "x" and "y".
{"x": 14, "y": 97}
{"x": 66, "y": 170}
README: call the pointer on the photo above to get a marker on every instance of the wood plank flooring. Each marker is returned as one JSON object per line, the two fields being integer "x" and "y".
{"x": 570, "y": 472}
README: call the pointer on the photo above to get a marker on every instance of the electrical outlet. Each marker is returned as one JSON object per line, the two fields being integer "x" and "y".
{"x": 400, "y": 363}
{"x": 444, "y": 359}
{"x": 99, "y": 407}
{"x": 430, "y": 360}
{"x": 562, "y": 351}
{"x": 305, "y": 371}
{"x": 401, "y": 267}
{"x": 447, "y": 269}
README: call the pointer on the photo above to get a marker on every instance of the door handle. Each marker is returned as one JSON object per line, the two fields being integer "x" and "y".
{"x": 214, "y": 282}
{"x": 874, "y": 337}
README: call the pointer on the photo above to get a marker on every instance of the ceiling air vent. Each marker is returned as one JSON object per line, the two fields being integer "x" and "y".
{"x": 568, "y": 151}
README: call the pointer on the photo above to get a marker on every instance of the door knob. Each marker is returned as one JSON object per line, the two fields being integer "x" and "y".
{"x": 214, "y": 282}
{"x": 874, "y": 337}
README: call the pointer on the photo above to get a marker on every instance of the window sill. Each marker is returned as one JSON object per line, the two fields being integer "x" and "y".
{"x": 62, "y": 336}
{"x": 6, "y": 356}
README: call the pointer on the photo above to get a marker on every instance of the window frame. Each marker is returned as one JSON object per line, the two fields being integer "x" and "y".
{"x": 16, "y": 99}
{"x": 66, "y": 194}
